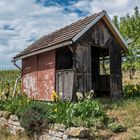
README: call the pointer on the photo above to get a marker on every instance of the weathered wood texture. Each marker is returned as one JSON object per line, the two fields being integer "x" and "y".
{"x": 88, "y": 50}
{"x": 115, "y": 71}
{"x": 83, "y": 66}
{"x": 64, "y": 83}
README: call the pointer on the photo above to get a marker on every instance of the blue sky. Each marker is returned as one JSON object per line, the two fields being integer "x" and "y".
{"x": 24, "y": 21}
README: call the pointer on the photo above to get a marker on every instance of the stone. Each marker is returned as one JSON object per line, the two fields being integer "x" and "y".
{"x": 78, "y": 139}
{"x": 3, "y": 123}
{"x": 16, "y": 123}
{"x": 65, "y": 137}
{"x": 16, "y": 129}
{"x": 58, "y": 126}
{"x": 14, "y": 117}
{"x": 1, "y": 113}
{"x": 56, "y": 133}
{"x": 6, "y": 114}
{"x": 79, "y": 132}
{"x": 48, "y": 137}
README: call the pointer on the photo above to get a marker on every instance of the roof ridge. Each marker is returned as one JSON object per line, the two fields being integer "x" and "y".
{"x": 67, "y": 33}
{"x": 60, "y": 29}
{"x": 71, "y": 24}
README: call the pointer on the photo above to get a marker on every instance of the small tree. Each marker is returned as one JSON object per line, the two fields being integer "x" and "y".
{"x": 129, "y": 26}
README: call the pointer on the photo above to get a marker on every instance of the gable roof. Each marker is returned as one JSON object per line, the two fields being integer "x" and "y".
{"x": 69, "y": 34}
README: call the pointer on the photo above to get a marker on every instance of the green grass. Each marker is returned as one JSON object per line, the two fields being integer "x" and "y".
{"x": 7, "y": 82}
{"x": 128, "y": 113}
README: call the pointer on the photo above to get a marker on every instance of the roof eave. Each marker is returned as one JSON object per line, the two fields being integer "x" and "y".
{"x": 42, "y": 50}
{"x": 120, "y": 38}
{"x": 75, "y": 38}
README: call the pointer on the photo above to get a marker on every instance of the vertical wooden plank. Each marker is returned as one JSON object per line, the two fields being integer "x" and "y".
{"x": 68, "y": 85}
{"x": 59, "y": 82}
{"x": 64, "y": 83}
{"x": 83, "y": 63}
{"x": 115, "y": 71}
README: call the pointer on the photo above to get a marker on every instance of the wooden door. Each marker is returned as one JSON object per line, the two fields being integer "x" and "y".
{"x": 64, "y": 83}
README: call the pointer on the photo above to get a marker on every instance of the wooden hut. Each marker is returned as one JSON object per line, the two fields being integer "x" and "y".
{"x": 71, "y": 59}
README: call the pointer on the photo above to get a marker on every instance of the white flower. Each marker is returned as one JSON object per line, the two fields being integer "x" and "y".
{"x": 60, "y": 94}
{"x": 79, "y": 95}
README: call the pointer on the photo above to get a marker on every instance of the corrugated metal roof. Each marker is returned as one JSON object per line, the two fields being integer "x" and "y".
{"x": 59, "y": 36}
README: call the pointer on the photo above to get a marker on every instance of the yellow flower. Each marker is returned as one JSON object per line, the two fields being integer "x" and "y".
{"x": 135, "y": 87}
{"x": 54, "y": 96}
{"x": 28, "y": 101}
{"x": 55, "y": 110}
{"x": 130, "y": 91}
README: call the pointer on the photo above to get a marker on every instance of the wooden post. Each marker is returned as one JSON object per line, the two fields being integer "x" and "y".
{"x": 115, "y": 71}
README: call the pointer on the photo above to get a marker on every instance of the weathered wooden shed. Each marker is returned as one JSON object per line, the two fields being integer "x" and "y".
{"x": 70, "y": 60}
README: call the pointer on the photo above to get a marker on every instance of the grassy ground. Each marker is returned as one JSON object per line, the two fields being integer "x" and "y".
{"x": 128, "y": 113}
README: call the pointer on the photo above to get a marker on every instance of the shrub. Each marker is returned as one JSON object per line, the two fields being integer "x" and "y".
{"x": 116, "y": 127}
{"x": 34, "y": 117}
{"x": 85, "y": 113}
{"x": 13, "y": 104}
{"x": 131, "y": 90}
{"x": 37, "y": 114}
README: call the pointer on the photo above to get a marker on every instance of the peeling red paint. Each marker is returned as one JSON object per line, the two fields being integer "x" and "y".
{"x": 39, "y": 75}
{"x": 46, "y": 75}
{"x": 29, "y": 76}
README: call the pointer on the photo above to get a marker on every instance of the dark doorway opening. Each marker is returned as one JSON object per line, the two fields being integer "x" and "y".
{"x": 100, "y": 68}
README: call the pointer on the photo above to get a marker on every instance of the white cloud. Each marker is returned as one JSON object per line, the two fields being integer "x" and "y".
{"x": 31, "y": 20}
{"x": 113, "y": 7}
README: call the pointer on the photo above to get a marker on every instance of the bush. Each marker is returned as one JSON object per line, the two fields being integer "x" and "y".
{"x": 34, "y": 117}
{"x": 13, "y": 104}
{"x": 131, "y": 90}
{"x": 116, "y": 127}
{"x": 86, "y": 113}
{"x": 37, "y": 114}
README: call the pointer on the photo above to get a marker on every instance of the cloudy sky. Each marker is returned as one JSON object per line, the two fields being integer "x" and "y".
{"x": 24, "y": 21}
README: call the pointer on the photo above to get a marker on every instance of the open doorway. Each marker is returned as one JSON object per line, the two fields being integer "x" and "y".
{"x": 100, "y": 67}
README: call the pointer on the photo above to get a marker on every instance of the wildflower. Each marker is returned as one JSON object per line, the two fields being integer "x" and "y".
{"x": 60, "y": 95}
{"x": 79, "y": 95}
{"x": 54, "y": 96}
{"x": 135, "y": 87}
{"x": 55, "y": 110}
{"x": 28, "y": 101}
